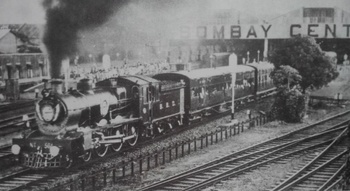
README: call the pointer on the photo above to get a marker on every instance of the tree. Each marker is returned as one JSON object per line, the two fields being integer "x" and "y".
{"x": 306, "y": 56}
{"x": 289, "y": 104}
{"x": 285, "y": 77}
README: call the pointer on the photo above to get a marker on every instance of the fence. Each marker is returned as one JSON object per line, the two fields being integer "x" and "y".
{"x": 99, "y": 179}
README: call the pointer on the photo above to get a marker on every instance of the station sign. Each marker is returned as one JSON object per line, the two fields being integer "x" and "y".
{"x": 264, "y": 31}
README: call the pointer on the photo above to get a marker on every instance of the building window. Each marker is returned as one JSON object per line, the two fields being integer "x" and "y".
{"x": 318, "y": 15}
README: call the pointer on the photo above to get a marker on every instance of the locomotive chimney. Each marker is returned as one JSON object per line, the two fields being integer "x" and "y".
{"x": 57, "y": 86}
{"x": 85, "y": 86}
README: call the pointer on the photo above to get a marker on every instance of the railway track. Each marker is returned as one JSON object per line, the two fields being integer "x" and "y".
{"x": 17, "y": 120}
{"x": 320, "y": 173}
{"x": 5, "y": 152}
{"x": 22, "y": 179}
{"x": 16, "y": 106}
{"x": 13, "y": 116}
{"x": 9, "y": 128}
{"x": 272, "y": 151}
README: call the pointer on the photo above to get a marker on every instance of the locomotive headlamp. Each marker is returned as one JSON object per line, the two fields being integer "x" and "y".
{"x": 15, "y": 149}
{"x": 54, "y": 151}
{"x": 47, "y": 113}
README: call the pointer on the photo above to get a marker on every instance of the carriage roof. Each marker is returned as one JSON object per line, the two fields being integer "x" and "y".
{"x": 209, "y": 72}
{"x": 140, "y": 80}
{"x": 262, "y": 65}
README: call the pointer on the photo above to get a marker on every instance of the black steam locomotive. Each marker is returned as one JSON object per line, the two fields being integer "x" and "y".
{"x": 89, "y": 119}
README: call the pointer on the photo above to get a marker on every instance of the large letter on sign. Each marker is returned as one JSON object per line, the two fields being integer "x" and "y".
{"x": 218, "y": 34}
{"x": 235, "y": 31}
{"x": 310, "y": 30}
{"x": 265, "y": 30}
{"x": 330, "y": 30}
{"x": 292, "y": 34}
{"x": 251, "y": 32}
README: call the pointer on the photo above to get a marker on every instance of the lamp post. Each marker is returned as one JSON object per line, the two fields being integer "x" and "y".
{"x": 233, "y": 63}
{"x": 248, "y": 57}
{"x": 211, "y": 60}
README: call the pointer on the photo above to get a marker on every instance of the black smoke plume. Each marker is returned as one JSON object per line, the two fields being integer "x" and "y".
{"x": 64, "y": 20}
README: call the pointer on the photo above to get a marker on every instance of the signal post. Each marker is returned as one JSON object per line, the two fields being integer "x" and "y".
{"x": 233, "y": 63}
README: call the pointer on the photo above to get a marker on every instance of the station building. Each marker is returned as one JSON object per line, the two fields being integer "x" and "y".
{"x": 252, "y": 38}
{"x": 21, "y": 58}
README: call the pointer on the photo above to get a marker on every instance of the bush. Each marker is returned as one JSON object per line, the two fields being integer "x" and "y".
{"x": 289, "y": 106}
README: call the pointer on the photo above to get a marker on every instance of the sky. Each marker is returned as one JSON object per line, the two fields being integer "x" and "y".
{"x": 31, "y": 11}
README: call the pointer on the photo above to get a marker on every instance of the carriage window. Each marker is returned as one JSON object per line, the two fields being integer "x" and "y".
{"x": 135, "y": 92}
{"x": 192, "y": 92}
{"x": 122, "y": 95}
{"x": 9, "y": 70}
{"x": 145, "y": 95}
{"x": 197, "y": 91}
{"x": 229, "y": 85}
{"x": 161, "y": 106}
{"x": 153, "y": 93}
{"x": 173, "y": 103}
{"x": 246, "y": 75}
{"x": 121, "y": 92}
{"x": 239, "y": 78}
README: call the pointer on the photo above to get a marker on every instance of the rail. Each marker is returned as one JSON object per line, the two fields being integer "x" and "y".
{"x": 16, "y": 120}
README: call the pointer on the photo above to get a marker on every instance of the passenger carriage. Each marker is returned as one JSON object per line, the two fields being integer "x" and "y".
{"x": 264, "y": 83}
{"x": 209, "y": 90}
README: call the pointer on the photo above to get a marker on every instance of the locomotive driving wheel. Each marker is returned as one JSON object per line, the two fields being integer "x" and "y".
{"x": 132, "y": 130}
{"x": 101, "y": 150}
{"x": 116, "y": 146}
{"x": 87, "y": 155}
{"x": 69, "y": 162}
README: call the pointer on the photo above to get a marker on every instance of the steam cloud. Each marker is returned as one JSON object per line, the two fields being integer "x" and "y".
{"x": 65, "y": 18}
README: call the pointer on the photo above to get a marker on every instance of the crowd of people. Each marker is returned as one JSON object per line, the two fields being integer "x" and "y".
{"x": 98, "y": 72}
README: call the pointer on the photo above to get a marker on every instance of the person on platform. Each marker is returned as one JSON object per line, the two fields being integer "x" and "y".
{"x": 346, "y": 61}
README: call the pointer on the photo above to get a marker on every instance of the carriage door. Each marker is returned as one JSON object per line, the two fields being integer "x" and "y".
{"x": 147, "y": 103}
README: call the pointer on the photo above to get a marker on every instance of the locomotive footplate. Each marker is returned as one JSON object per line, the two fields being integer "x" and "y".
{"x": 46, "y": 152}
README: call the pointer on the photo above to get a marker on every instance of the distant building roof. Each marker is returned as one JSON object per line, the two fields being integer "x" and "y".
{"x": 3, "y": 32}
{"x": 313, "y": 15}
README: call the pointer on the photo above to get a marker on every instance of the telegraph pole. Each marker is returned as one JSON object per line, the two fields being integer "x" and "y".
{"x": 233, "y": 64}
